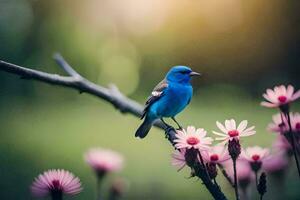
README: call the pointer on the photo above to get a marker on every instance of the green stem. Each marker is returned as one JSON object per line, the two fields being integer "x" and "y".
{"x": 235, "y": 180}
{"x": 256, "y": 184}
{"x": 216, "y": 183}
{"x": 293, "y": 142}
{"x": 56, "y": 196}
{"x": 98, "y": 189}
{"x": 256, "y": 179}
{"x": 203, "y": 165}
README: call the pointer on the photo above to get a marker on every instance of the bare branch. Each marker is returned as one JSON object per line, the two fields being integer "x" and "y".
{"x": 110, "y": 94}
{"x": 27, "y": 73}
{"x": 65, "y": 66}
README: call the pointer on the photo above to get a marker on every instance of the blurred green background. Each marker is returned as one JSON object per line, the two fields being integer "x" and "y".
{"x": 240, "y": 47}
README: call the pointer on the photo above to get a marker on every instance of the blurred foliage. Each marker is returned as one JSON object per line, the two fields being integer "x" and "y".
{"x": 252, "y": 44}
{"x": 241, "y": 47}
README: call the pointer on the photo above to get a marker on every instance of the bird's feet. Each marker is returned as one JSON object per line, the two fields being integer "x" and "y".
{"x": 179, "y": 126}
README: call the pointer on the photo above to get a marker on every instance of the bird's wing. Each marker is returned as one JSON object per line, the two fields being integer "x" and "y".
{"x": 157, "y": 92}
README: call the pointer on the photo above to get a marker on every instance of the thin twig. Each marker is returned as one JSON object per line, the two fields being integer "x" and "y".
{"x": 65, "y": 66}
{"x": 110, "y": 94}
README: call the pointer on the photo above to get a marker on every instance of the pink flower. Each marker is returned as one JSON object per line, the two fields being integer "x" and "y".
{"x": 216, "y": 154}
{"x": 104, "y": 160}
{"x": 281, "y": 144}
{"x": 295, "y": 121}
{"x": 282, "y": 127}
{"x": 275, "y": 163}
{"x": 192, "y": 138}
{"x": 279, "y": 124}
{"x": 230, "y": 131}
{"x": 280, "y": 96}
{"x": 56, "y": 182}
{"x": 244, "y": 172}
{"x": 255, "y": 154}
{"x": 178, "y": 159}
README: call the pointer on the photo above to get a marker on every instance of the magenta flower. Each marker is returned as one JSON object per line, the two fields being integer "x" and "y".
{"x": 275, "y": 163}
{"x": 178, "y": 159}
{"x": 280, "y": 96}
{"x": 255, "y": 154}
{"x": 56, "y": 183}
{"x": 192, "y": 138}
{"x": 230, "y": 131}
{"x": 103, "y": 160}
{"x": 216, "y": 154}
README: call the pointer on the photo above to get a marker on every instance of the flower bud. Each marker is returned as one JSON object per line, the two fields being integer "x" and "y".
{"x": 212, "y": 170}
{"x": 234, "y": 148}
{"x": 262, "y": 184}
{"x": 191, "y": 156}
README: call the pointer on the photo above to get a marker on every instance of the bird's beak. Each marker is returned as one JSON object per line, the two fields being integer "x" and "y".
{"x": 195, "y": 74}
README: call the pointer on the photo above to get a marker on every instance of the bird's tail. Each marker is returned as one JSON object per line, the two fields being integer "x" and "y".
{"x": 144, "y": 128}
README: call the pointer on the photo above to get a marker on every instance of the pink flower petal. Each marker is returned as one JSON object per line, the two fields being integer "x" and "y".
{"x": 242, "y": 125}
{"x": 221, "y": 127}
{"x": 289, "y": 91}
{"x": 296, "y": 95}
{"x": 267, "y": 104}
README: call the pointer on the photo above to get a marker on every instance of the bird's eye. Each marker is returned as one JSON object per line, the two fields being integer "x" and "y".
{"x": 183, "y": 72}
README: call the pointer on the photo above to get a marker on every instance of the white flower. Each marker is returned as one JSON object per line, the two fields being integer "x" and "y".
{"x": 178, "y": 159}
{"x": 279, "y": 96}
{"x": 230, "y": 131}
{"x": 255, "y": 154}
{"x": 192, "y": 138}
{"x": 216, "y": 154}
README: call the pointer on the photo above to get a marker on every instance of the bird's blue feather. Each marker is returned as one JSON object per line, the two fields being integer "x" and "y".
{"x": 174, "y": 100}
{"x": 171, "y": 99}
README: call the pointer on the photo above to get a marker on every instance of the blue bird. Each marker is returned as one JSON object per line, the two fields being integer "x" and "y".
{"x": 168, "y": 98}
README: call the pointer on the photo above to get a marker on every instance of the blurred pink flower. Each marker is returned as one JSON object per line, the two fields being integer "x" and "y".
{"x": 295, "y": 121}
{"x": 56, "y": 182}
{"x": 216, "y": 154}
{"x": 282, "y": 127}
{"x": 279, "y": 96}
{"x": 244, "y": 172}
{"x": 275, "y": 163}
{"x": 281, "y": 144}
{"x": 279, "y": 124}
{"x": 178, "y": 159}
{"x": 104, "y": 160}
{"x": 255, "y": 154}
{"x": 230, "y": 131}
{"x": 192, "y": 138}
